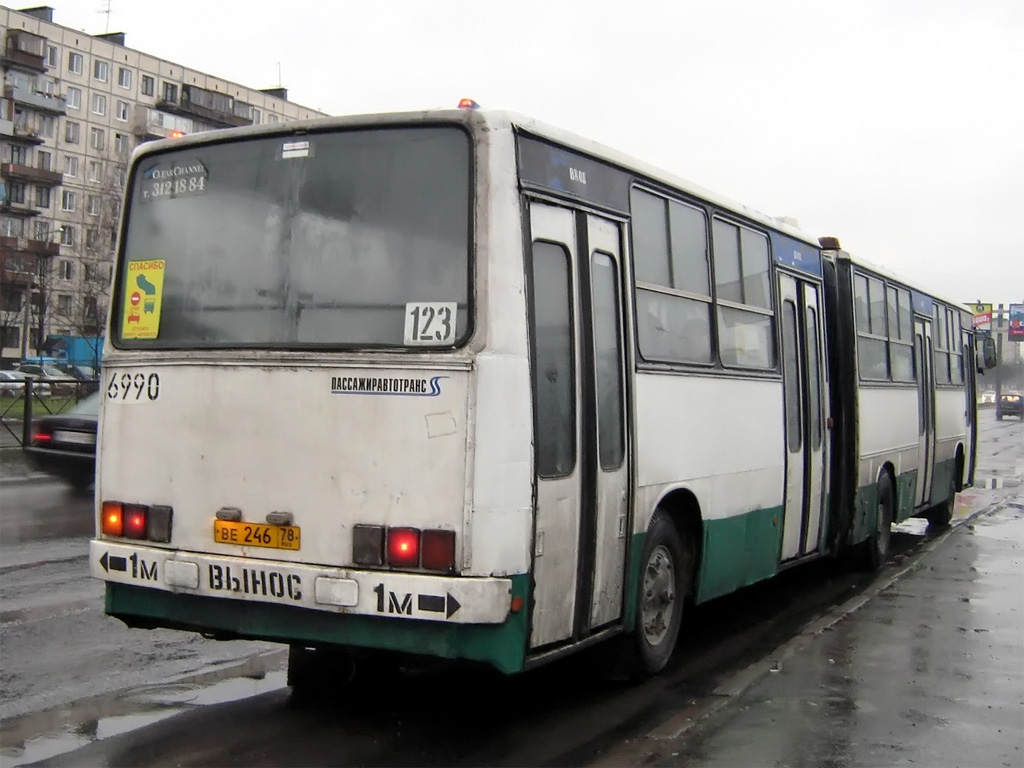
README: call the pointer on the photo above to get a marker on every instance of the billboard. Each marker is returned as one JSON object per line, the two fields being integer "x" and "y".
{"x": 982, "y": 316}
{"x": 1016, "y": 329}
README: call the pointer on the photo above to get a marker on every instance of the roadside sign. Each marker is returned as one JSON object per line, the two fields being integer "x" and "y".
{"x": 1016, "y": 330}
{"x": 982, "y": 316}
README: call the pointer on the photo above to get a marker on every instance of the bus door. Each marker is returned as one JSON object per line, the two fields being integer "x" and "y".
{"x": 971, "y": 406}
{"x": 579, "y": 373}
{"x": 804, "y": 397}
{"x": 925, "y": 409}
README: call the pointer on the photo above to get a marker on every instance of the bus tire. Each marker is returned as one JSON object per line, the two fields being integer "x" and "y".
{"x": 875, "y": 549}
{"x": 662, "y": 587}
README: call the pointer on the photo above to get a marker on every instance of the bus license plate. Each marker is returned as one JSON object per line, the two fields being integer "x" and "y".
{"x": 257, "y": 535}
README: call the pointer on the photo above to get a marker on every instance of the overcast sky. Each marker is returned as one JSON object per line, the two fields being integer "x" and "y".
{"x": 896, "y": 125}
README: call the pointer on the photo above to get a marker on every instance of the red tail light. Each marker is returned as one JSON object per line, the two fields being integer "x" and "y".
{"x": 40, "y": 434}
{"x": 439, "y": 550}
{"x": 134, "y": 521}
{"x": 403, "y": 547}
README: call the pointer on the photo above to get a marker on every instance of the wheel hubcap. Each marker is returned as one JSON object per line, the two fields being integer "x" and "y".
{"x": 659, "y": 599}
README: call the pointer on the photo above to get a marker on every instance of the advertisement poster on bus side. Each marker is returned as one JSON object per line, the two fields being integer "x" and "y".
{"x": 143, "y": 295}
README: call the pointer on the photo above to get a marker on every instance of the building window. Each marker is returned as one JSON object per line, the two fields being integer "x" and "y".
{"x": 74, "y": 97}
{"x": 16, "y": 191}
{"x": 70, "y": 166}
{"x": 51, "y": 56}
{"x": 67, "y": 200}
{"x": 122, "y": 111}
{"x": 92, "y": 240}
{"x": 170, "y": 92}
{"x": 121, "y": 143}
{"x": 99, "y": 71}
{"x": 148, "y": 85}
{"x": 256, "y": 115}
{"x": 95, "y": 170}
{"x": 97, "y": 138}
{"x": 72, "y": 132}
{"x": 64, "y": 303}
{"x": 42, "y": 232}
{"x": 10, "y": 336}
{"x": 75, "y": 63}
{"x": 67, "y": 237}
{"x": 42, "y": 197}
{"x": 271, "y": 118}
{"x": 99, "y": 104}
{"x": 11, "y": 227}
{"x": 44, "y": 160}
{"x": 48, "y": 126}
{"x": 67, "y": 268}
{"x": 124, "y": 77}
{"x": 19, "y": 154}
{"x": 92, "y": 205}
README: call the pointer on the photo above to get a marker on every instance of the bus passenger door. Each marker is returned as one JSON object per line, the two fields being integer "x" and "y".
{"x": 805, "y": 412}
{"x": 577, "y": 359}
{"x": 925, "y": 409}
{"x": 971, "y": 407}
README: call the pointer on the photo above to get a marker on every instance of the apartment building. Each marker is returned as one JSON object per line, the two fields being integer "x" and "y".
{"x": 73, "y": 108}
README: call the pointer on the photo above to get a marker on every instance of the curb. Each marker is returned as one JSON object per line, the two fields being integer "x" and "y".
{"x": 647, "y": 747}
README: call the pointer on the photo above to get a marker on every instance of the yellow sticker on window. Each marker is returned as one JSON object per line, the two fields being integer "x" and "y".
{"x": 143, "y": 292}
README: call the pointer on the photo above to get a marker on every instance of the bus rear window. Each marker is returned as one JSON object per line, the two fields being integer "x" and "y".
{"x": 356, "y": 238}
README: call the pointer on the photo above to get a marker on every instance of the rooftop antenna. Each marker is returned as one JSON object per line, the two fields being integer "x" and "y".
{"x": 279, "y": 83}
{"x": 107, "y": 12}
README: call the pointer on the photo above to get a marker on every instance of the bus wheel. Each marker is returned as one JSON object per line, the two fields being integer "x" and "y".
{"x": 876, "y": 547}
{"x": 665, "y": 572}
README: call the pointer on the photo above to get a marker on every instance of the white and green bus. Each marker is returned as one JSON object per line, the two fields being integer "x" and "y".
{"x": 458, "y": 384}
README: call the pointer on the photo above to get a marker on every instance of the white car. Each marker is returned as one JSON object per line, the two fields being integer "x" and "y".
{"x": 987, "y": 398}
{"x": 12, "y": 384}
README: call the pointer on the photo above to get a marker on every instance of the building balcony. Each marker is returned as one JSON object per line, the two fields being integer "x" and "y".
{"x": 18, "y": 269}
{"x": 11, "y": 57}
{"x": 186, "y": 108}
{"x": 43, "y": 102}
{"x": 35, "y": 175}
{"x": 21, "y": 210}
{"x": 21, "y": 133}
{"x": 28, "y": 247}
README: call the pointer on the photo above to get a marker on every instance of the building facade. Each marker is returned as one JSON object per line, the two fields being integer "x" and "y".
{"x": 73, "y": 108}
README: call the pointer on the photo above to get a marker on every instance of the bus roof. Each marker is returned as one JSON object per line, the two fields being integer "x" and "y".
{"x": 492, "y": 120}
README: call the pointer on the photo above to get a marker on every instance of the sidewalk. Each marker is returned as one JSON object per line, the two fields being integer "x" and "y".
{"x": 928, "y": 670}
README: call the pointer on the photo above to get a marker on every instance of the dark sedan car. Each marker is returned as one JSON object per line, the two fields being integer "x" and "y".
{"x": 1010, "y": 404}
{"x": 65, "y": 445}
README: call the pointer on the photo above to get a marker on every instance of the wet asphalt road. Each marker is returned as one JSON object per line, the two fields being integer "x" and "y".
{"x": 79, "y": 688}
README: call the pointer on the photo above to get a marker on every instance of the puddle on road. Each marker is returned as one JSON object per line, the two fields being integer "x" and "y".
{"x": 34, "y": 737}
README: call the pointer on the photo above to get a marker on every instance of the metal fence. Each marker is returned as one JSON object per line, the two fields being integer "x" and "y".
{"x": 23, "y": 402}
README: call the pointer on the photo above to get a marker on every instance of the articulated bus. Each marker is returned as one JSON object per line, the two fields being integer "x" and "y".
{"x": 456, "y": 384}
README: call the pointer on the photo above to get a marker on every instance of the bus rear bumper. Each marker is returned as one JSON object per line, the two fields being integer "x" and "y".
{"x": 382, "y": 594}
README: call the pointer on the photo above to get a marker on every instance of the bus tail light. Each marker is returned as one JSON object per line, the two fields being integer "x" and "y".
{"x": 438, "y": 550}
{"x": 368, "y": 544}
{"x": 134, "y": 521}
{"x": 137, "y": 521}
{"x": 113, "y": 518}
{"x": 403, "y": 547}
